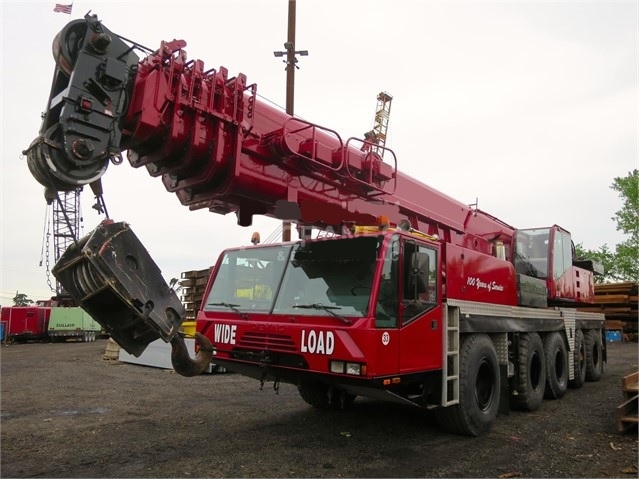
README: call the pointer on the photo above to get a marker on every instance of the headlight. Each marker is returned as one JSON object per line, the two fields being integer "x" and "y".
{"x": 353, "y": 368}
{"x": 342, "y": 367}
{"x": 337, "y": 367}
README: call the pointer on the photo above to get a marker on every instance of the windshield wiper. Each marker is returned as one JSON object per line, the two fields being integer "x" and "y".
{"x": 232, "y": 307}
{"x": 328, "y": 309}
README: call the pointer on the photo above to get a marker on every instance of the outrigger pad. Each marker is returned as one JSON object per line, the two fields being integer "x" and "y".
{"x": 110, "y": 274}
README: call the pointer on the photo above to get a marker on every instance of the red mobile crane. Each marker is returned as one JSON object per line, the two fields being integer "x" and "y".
{"x": 418, "y": 299}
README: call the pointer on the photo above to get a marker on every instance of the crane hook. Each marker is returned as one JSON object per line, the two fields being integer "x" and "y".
{"x": 182, "y": 362}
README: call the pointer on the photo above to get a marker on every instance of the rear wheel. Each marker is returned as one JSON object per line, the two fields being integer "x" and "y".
{"x": 579, "y": 360}
{"x": 556, "y": 366}
{"x": 479, "y": 389}
{"x": 594, "y": 354}
{"x": 531, "y": 377}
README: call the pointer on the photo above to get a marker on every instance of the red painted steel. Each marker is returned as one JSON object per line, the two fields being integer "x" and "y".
{"x": 26, "y": 322}
{"x": 218, "y": 146}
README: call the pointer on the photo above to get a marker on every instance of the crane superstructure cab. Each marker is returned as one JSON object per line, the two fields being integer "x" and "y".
{"x": 549, "y": 255}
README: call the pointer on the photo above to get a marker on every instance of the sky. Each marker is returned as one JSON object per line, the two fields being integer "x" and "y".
{"x": 528, "y": 108}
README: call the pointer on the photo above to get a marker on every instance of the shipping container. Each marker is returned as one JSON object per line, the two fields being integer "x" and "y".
{"x": 25, "y": 322}
{"x": 75, "y": 323}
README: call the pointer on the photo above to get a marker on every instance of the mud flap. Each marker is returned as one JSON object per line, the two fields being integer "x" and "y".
{"x": 110, "y": 274}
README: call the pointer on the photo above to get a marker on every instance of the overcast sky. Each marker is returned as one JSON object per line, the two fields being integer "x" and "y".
{"x": 531, "y": 107}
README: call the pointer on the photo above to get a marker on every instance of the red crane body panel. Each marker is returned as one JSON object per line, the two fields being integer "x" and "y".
{"x": 474, "y": 276}
{"x": 218, "y": 146}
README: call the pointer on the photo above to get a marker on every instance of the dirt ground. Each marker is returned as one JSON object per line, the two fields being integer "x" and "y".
{"x": 66, "y": 412}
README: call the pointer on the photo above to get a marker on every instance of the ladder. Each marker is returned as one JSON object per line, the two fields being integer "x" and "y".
{"x": 376, "y": 138}
{"x": 450, "y": 370}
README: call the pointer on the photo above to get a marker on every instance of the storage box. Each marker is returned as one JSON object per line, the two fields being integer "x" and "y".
{"x": 612, "y": 336}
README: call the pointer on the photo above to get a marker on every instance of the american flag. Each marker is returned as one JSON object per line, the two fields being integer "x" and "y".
{"x": 63, "y": 8}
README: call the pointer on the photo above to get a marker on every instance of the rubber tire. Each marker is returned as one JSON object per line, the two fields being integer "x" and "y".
{"x": 531, "y": 377}
{"x": 594, "y": 354}
{"x": 473, "y": 416}
{"x": 556, "y": 356}
{"x": 321, "y": 396}
{"x": 579, "y": 360}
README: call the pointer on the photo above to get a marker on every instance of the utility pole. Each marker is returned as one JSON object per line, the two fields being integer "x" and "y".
{"x": 291, "y": 66}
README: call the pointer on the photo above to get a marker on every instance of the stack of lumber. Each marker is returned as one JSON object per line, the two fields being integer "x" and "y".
{"x": 193, "y": 285}
{"x": 618, "y": 302}
{"x": 627, "y": 411}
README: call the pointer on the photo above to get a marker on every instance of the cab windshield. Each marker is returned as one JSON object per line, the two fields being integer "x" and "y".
{"x": 328, "y": 277}
{"x": 531, "y": 252}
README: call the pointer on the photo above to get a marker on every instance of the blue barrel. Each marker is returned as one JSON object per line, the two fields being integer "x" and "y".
{"x": 1, "y": 332}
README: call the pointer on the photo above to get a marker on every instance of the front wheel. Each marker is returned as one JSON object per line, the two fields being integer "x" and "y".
{"x": 479, "y": 389}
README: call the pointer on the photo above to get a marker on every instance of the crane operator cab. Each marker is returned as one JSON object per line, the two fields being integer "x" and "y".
{"x": 548, "y": 254}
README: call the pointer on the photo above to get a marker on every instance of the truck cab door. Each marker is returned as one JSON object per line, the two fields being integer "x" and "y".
{"x": 408, "y": 314}
{"x": 420, "y": 310}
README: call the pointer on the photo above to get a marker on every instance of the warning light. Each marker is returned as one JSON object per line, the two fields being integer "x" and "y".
{"x": 383, "y": 222}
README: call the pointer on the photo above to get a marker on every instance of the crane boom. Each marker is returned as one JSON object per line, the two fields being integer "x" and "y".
{"x": 216, "y": 145}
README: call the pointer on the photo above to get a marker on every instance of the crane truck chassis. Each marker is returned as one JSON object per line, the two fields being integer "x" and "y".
{"x": 416, "y": 298}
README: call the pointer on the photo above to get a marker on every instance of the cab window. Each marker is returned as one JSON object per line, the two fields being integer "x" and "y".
{"x": 420, "y": 284}
{"x": 387, "y": 297}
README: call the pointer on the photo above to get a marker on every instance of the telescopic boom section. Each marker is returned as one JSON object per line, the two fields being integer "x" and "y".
{"x": 217, "y": 146}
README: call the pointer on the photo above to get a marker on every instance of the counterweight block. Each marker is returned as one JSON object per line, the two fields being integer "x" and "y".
{"x": 111, "y": 275}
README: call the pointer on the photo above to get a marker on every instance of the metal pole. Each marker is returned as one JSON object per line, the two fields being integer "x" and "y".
{"x": 290, "y": 60}
{"x": 290, "y": 87}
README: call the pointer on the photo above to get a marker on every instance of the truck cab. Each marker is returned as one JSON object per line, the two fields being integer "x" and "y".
{"x": 339, "y": 306}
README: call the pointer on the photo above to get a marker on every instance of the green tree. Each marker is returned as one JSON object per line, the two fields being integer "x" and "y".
{"x": 627, "y": 219}
{"x": 604, "y": 256}
{"x": 20, "y": 299}
{"x": 621, "y": 264}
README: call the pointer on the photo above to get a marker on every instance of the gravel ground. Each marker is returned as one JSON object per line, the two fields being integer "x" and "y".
{"x": 66, "y": 412}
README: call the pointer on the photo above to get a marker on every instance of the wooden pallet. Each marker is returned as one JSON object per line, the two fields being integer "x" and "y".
{"x": 627, "y": 411}
{"x": 193, "y": 286}
{"x": 619, "y": 303}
